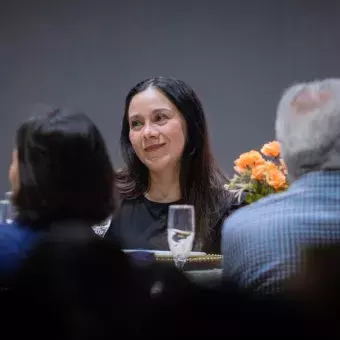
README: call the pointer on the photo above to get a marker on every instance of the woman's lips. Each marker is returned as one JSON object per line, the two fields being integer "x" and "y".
{"x": 154, "y": 147}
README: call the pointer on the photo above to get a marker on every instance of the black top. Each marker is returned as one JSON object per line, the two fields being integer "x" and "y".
{"x": 142, "y": 224}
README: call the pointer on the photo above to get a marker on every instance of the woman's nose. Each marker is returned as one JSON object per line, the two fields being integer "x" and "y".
{"x": 150, "y": 131}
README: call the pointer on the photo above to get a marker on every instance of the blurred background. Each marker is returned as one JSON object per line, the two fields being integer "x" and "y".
{"x": 238, "y": 55}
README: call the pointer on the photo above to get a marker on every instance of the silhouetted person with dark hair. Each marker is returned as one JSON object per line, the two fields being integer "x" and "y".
{"x": 165, "y": 144}
{"x": 76, "y": 286}
{"x": 61, "y": 175}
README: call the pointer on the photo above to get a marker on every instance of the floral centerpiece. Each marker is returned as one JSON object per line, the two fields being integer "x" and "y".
{"x": 259, "y": 174}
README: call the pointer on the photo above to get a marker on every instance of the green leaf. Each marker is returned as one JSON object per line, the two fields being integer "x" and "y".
{"x": 251, "y": 198}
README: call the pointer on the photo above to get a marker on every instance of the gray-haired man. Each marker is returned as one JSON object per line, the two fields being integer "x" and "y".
{"x": 263, "y": 242}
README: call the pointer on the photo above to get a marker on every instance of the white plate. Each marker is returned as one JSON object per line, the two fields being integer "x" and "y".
{"x": 163, "y": 252}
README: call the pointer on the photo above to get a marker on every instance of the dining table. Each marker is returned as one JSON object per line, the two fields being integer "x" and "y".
{"x": 203, "y": 269}
{"x": 207, "y": 278}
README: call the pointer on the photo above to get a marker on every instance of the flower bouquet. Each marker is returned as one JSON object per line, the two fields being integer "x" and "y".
{"x": 259, "y": 174}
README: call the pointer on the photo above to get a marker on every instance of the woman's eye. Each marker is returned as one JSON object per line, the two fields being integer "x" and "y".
{"x": 160, "y": 118}
{"x": 135, "y": 124}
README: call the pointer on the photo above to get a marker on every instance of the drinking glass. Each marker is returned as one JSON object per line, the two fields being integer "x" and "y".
{"x": 7, "y": 209}
{"x": 181, "y": 232}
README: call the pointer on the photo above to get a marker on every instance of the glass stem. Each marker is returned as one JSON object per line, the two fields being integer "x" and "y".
{"x": 180, "y": 262}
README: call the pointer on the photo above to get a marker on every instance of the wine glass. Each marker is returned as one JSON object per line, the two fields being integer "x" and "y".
{"x": 181, "y": 232}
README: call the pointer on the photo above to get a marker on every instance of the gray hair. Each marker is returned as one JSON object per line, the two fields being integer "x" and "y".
{"x": 308, "y": 127}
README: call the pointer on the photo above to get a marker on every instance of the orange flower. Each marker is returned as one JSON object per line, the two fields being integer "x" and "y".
{"x": 238, "y": 169}
{"x": 259, "y": 171}
{"x": 283, "y": 166}
{"x": 271, "y": 149}
{"x": 275, "y": 177}
{"x": 248, "y": 160}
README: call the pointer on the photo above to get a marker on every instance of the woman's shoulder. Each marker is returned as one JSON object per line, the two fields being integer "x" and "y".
{"x": 17, "y": 235}
{"x": 127, "y": 207}
{"x": 130, "y": 201}
{"x": 15, "y": 241}
{"x": 227, "y": 201}
{"x": 126, "y": 186}
{"x": 15, "y": 230}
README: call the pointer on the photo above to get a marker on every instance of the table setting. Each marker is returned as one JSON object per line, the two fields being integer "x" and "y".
{"x": 201, "y": 267}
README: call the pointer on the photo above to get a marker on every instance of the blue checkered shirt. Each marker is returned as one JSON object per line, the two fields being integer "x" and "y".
{"x": 262, "y": 243}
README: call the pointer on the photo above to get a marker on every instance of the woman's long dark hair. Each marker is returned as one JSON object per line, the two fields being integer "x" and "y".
{"x": 65, "y": 171}
{"x": 201, "y": 180}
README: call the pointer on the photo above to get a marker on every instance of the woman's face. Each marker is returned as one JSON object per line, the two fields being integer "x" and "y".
{"x": 14, "y": 172}
{"x": 157, "y": 130}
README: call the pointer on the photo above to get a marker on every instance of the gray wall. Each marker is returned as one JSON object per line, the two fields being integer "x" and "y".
{"x": 238, "y": 55}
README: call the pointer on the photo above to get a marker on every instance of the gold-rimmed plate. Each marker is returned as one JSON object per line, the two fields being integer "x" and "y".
{"x": 205, "y": 262}
{"x": 193, "y": 258}
{"x": 164, "y": 253}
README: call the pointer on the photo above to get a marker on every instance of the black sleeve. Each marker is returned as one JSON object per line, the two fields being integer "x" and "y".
{"x": 214, "y": 246}
{"x": 112, "y": 235}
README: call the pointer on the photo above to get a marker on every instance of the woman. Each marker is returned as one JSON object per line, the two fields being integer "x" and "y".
{"x": 165, "y": 145}
{"x": 61, "y": 177}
